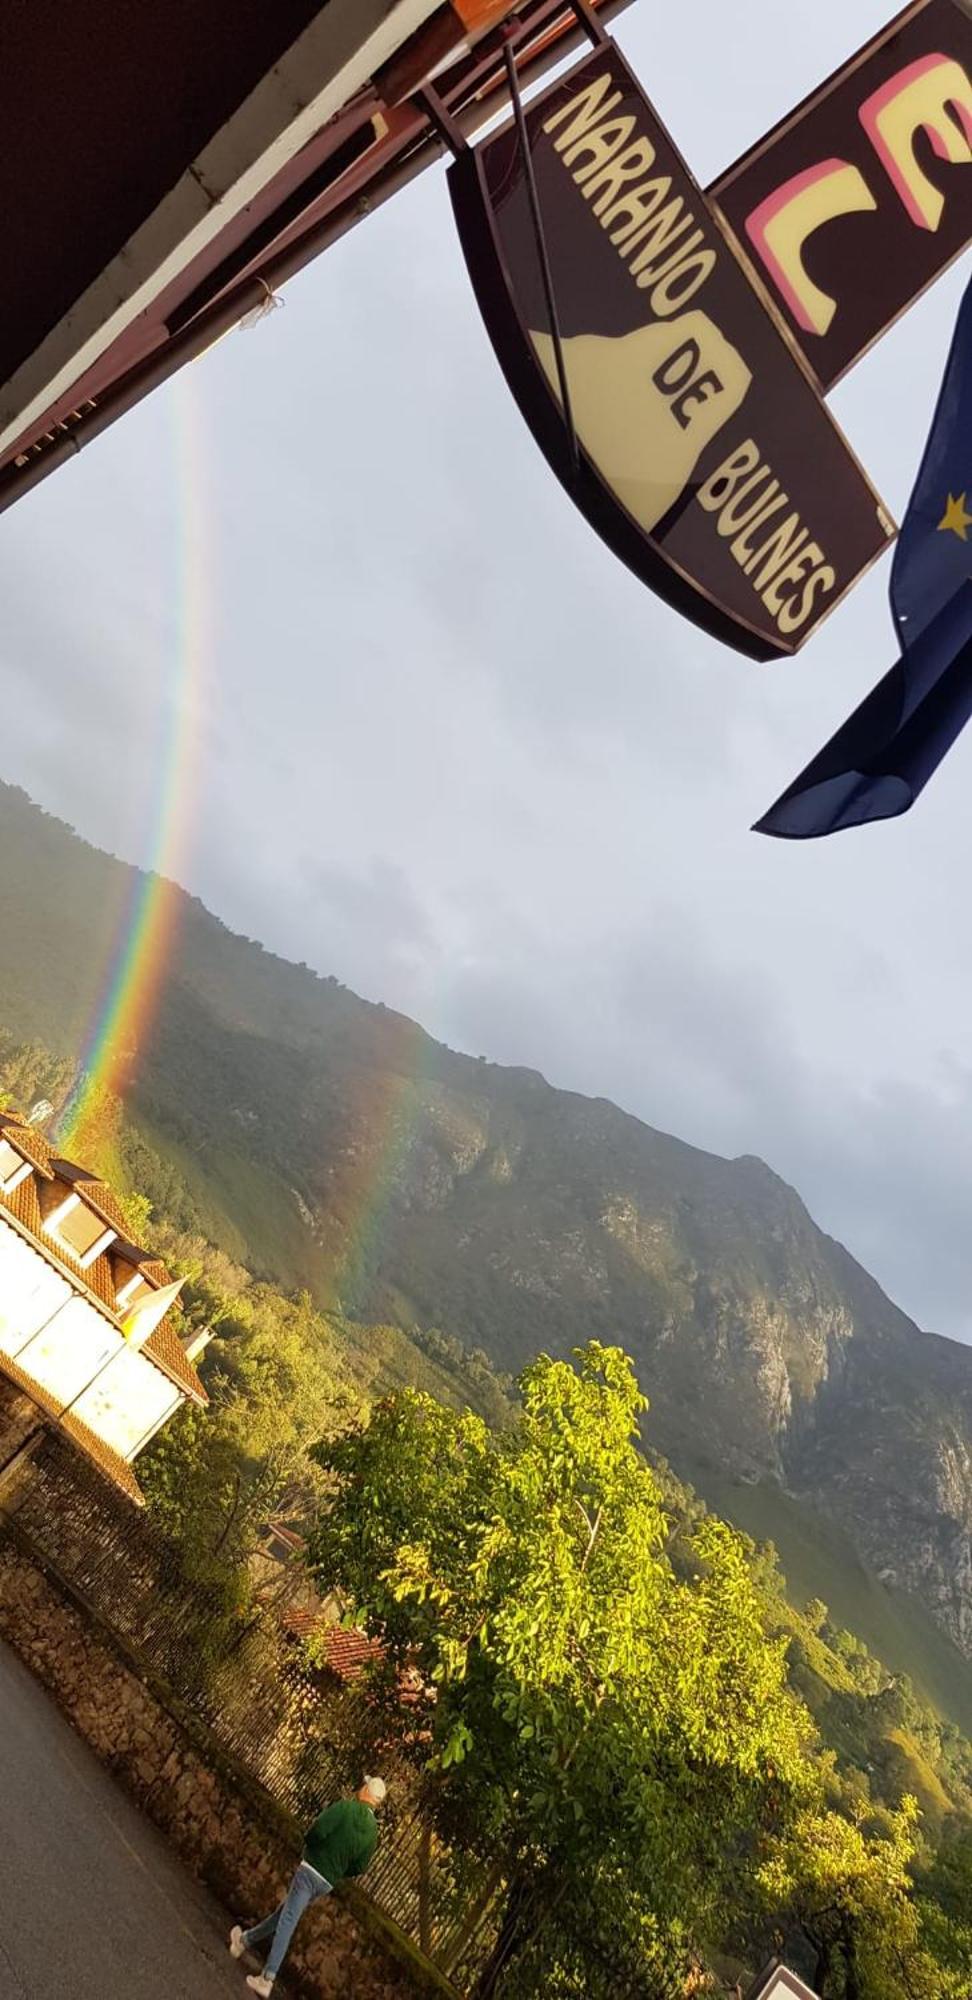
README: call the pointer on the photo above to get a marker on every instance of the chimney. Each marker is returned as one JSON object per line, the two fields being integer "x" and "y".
{"x": 197, "y": 1342}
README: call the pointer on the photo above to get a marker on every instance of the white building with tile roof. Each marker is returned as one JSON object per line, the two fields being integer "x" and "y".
{"x": 88, "y": 1332}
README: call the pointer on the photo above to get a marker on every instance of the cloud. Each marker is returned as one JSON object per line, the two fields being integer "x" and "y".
{"x": 451, "y": 751}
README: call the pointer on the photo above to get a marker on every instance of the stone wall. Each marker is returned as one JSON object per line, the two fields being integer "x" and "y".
{"x": 230, "y": 1837}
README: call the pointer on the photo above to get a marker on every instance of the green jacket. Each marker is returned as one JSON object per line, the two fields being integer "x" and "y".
{"x": 342, "y": 1840}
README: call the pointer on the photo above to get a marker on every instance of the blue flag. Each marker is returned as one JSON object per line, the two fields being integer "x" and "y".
{"x": 885, "y": 753}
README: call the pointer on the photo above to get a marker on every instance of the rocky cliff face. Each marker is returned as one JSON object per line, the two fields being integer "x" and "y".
{"x": 766, "y": 1350}
{"x": 336, "y": 1146}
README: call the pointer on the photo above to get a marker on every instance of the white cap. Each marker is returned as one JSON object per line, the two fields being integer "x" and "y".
{"x": 378, "y": 1789}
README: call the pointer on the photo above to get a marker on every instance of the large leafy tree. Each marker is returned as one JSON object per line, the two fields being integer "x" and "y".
{"x": 616, "y": 1726}
{"x": 844, "y": 1880}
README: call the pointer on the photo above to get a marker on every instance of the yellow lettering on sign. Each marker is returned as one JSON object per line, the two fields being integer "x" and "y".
{"x": 647, "y": 404}
{"x": 782, "y": 224}
{"x": 583, "y": 111}
{"x": 933, "y": 96}
{"x": 607, "y": 183}
{"x": 680, "y": 278}
{"x": 667, "y": 227}
{"x": 595, "y": 147}
{"x": 634, "y": 210}
{"x": 788, "y": 569}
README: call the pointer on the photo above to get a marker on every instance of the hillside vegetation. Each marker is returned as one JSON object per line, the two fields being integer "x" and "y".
{"x": 334, "y": 1149}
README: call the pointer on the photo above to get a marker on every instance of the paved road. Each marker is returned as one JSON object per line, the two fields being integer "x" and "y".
{"x": 92, "y": 1904}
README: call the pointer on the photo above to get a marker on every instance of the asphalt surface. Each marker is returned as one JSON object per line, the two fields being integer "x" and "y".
{"x": 93, "y": 1906}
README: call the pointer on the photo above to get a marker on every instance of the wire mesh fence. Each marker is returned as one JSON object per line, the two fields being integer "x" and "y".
{"x": 248, "y": 1687}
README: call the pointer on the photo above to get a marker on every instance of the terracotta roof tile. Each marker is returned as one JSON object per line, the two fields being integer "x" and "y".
{"x": 28, "y": 1141}
{"x": 347, "y": 1653}
{"x": 156, "y": 1272}
{"x": 300, "y": 1620}
{"x": 101, "y": 1279}
{"x": 106, "y": 1204}
{"x": 23, "y": 1203}
{"x": 109, "y": 1462}
{"x": 168, "y": 1353}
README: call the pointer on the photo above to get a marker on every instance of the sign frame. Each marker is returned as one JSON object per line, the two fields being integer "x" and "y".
{"x": 663, "y": 570}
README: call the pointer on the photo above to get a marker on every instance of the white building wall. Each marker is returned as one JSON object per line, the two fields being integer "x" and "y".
{"x": 30, "y": 1291}
{"x": 128, "y": 1402}
{"x": 75, "y": 1352}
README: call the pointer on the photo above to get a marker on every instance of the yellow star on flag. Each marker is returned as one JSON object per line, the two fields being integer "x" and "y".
{"x": 955, "y": 519}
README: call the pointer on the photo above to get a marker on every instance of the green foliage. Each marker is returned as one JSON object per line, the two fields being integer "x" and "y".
{"x": 847, "y": 1886}
{"x": 615, "y": 1728}
{"x": 29, "y": 1072}
{"x": 280, "y": 1375}
{"x": 945, "y": 1910}
{"x": 209, "y": 1147}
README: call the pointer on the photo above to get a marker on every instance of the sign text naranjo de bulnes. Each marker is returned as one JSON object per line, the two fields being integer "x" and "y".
{"x": 696, "y": 339}
{"x": 710, "y": 463}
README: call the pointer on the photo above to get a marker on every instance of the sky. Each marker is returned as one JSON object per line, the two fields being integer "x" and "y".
{"x": 415, "y": 726}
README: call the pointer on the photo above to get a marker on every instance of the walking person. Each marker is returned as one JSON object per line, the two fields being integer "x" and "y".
{"x": 340, "y": 1843}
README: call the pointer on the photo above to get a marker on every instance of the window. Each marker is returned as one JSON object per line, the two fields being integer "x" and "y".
{"x": 12, "y": 1164}
{"x": 129, "y": 1285}
{"x": 78, "y": 1228}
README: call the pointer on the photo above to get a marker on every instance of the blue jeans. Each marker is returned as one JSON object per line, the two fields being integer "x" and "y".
{"x": 306, "y": 1887}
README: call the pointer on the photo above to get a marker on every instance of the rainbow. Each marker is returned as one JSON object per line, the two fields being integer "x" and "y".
{"x": 127, "y": 990}
{"x": 363, "y": 1177}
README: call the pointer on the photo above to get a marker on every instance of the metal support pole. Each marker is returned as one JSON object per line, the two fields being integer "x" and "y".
{"x": 441, "y": 118}
{"x": 591, "y": 23}
{"x": 541, "y": 242}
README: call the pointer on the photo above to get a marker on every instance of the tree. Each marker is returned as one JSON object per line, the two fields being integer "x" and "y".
{"x": 215, "y": 1476}
{"x": 845, "y": 1884}
{"x": 945, "y": 1910}
{"x": 619, "y": 1731}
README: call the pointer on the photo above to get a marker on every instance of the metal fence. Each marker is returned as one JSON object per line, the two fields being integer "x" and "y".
{"x": 250, "y": 1690}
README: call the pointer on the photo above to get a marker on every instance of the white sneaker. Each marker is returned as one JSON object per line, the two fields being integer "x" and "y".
{"x": 237, "y": 1942}
{"x": 259, "y": 1983}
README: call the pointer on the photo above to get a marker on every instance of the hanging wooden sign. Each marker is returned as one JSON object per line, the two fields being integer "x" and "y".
{"x": 663, "y": 391}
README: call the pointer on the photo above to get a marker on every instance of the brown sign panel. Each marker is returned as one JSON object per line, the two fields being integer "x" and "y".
{"x": 707, "y": 460}
{"x": 864, "y": 194}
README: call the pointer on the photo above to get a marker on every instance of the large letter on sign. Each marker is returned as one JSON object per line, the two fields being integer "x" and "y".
{"x": 781, "y": 225}
{"x": 882, "y": 155}
{"x": 923, "y": 98}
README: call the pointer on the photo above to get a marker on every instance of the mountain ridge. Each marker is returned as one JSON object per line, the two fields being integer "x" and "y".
{"x": 335, "y": 1146}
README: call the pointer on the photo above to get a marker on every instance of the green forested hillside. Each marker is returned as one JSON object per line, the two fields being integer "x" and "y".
{"x": 334, "y": 1148}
